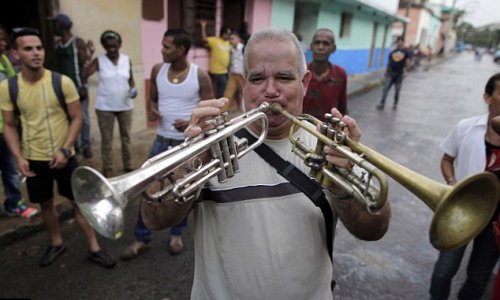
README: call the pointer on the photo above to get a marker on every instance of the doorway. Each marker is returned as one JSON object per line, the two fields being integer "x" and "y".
{"x": 32, "y": 13}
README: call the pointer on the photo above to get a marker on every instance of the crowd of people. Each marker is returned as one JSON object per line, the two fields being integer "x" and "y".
{"x": 283, "y": 221}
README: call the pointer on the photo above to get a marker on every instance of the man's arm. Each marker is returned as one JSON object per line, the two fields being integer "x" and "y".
{"x": 205, "y": 85}
{"x": 90, "y": 68}
{"x": 360, "y": 222}
{"x": 157, "y": 216}
{"x": 131, "y": 81}
{"x": 353, "y": 214}
{"x": 76, "y": 120}
{"x": 85, "y": 50}
{"x": 448, "y": 169}
{"x": 203, "y": 25}
{"x": 12, "y": 139}
{"x": 152, "y": 104}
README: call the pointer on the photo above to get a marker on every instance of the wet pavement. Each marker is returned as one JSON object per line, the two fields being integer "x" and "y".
{"x": 397, "y": 267}
{"x": 400, "y": 265}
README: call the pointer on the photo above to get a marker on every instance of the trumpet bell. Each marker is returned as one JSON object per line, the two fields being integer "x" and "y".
{"x": 99, "y": 202}
{"x": 464, "y": 212}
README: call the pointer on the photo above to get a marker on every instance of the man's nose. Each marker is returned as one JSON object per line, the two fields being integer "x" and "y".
{"x": 271, "y": 89}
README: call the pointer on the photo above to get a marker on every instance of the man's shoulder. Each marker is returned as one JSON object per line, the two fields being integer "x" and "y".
{"x": 156, "y": 69}
{"x": 472, "y": 121}
{"x": 339, "y": 69}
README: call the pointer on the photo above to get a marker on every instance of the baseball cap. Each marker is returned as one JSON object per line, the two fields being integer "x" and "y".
{"x": 63, "y": 19}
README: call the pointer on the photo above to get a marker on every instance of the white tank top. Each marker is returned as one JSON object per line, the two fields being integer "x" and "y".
{"x": 113, "y": 88}
{"x": 176, "y": 101}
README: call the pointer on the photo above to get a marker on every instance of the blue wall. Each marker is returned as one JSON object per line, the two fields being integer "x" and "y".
{"x": 355, "y": 61}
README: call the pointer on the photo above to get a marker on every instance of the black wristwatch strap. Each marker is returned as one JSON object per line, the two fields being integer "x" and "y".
{"x": 65, "y": 152}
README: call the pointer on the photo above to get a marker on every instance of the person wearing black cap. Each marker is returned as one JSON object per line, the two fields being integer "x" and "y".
{"x": 72, "y": 53}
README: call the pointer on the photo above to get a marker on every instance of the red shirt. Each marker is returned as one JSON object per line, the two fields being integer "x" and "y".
{"x": 330, "y": 92}
{"x": 493, "y": 159}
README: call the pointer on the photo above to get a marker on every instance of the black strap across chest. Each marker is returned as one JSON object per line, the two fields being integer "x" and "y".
{"x": 300, "y": 180}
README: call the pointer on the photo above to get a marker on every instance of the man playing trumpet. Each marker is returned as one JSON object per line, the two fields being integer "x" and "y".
{"x": 258, "y": 236}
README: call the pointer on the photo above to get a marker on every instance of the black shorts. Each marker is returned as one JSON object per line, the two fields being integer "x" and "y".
{"x": 41, "y": 186}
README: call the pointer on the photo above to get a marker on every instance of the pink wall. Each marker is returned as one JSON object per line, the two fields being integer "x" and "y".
{"x": 152, "y": 34}
{"x": 258, "y": 14}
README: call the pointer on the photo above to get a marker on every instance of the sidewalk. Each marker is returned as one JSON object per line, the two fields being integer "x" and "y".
{"x": 13, "y": 229}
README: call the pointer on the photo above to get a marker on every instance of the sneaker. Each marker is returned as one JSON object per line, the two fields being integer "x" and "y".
{"x": 132, "y": 251}
{"x": 395, "y": 106}
{"x": 87, "y": 152}
{"x": 51, "y": 254}
{"x": 22, "y": 210}
{"x": 380, "y": 106}
{"x": 102, "y": 258}
{"x": 175, "y": 245}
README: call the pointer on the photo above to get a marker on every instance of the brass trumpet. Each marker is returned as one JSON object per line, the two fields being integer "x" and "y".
{"x": 102, "y": 201}
{"x": 461, "y": 211}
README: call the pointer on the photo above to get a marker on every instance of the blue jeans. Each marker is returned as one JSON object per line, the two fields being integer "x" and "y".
{"x": 9, "y": 176}
{"x": 482, "y": 260}
{"x": 395, "y": 79}
{"x": 84, "y": 139}
{"x": 219, "y": 82}
{"x": 142, "y": 233}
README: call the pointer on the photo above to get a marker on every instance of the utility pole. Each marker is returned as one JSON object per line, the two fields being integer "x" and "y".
{"x": 407, "y": 14}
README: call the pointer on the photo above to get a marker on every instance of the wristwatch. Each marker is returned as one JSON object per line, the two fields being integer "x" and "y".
{"x": 65, "y": 152}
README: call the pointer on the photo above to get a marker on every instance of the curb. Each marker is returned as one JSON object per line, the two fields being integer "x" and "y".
{"x": 35, "y": 225}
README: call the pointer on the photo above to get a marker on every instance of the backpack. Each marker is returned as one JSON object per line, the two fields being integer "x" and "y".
{"x": 56, "y": 85}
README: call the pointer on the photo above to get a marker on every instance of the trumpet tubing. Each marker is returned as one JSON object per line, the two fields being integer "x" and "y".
{"x": 461, "y": 211}
{"x": 102, "y": 201}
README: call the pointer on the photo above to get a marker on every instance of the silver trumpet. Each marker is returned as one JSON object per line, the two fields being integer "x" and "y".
{"x": 102, "y": 201}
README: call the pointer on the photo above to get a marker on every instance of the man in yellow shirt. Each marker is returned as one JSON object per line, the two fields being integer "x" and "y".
{"x": 13, "y": 204}
{"x": 219, "y": 57}
{"x": 46, "y": 152}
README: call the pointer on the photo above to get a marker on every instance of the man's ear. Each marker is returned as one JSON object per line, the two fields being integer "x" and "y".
{"x": 334, "y": 48}
{"x": 182, "y": 49}
{"x": 16, "y": 54}
{"x": 241, "y": 80}
{"x": 305, "y": 80}
{"x": 487, "y": 98}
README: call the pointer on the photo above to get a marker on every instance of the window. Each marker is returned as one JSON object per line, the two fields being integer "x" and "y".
{"x": 186, "y": 14}
{"x": 152, "y": 9}
{"x": 345, "y": 25}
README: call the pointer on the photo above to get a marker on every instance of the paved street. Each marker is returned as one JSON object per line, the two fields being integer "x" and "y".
{"x": 400, "y": 265}
{"x": 397, "y": 267}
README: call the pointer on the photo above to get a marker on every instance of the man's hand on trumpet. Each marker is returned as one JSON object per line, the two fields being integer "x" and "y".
{"x": 201, "y": 115}
{"x": 353, "y": 131}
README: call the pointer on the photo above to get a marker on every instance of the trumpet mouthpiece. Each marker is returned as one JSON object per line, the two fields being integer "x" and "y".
{"x": 276, "y": 108}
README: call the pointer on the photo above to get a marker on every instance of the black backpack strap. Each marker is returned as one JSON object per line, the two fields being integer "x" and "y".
{"x": 57, "y": 86}
{"x": 300, "y": 180}
{"x": 13, "y": 91}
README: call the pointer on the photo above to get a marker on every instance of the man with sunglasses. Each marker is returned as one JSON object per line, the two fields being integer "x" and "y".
{"x": 328, "y": 85}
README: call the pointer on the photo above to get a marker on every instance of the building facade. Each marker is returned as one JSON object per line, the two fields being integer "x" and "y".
{"x": 363, "y": 29}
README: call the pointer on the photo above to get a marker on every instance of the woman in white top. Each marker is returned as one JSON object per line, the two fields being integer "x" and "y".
{"x": 115, "y": 91}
